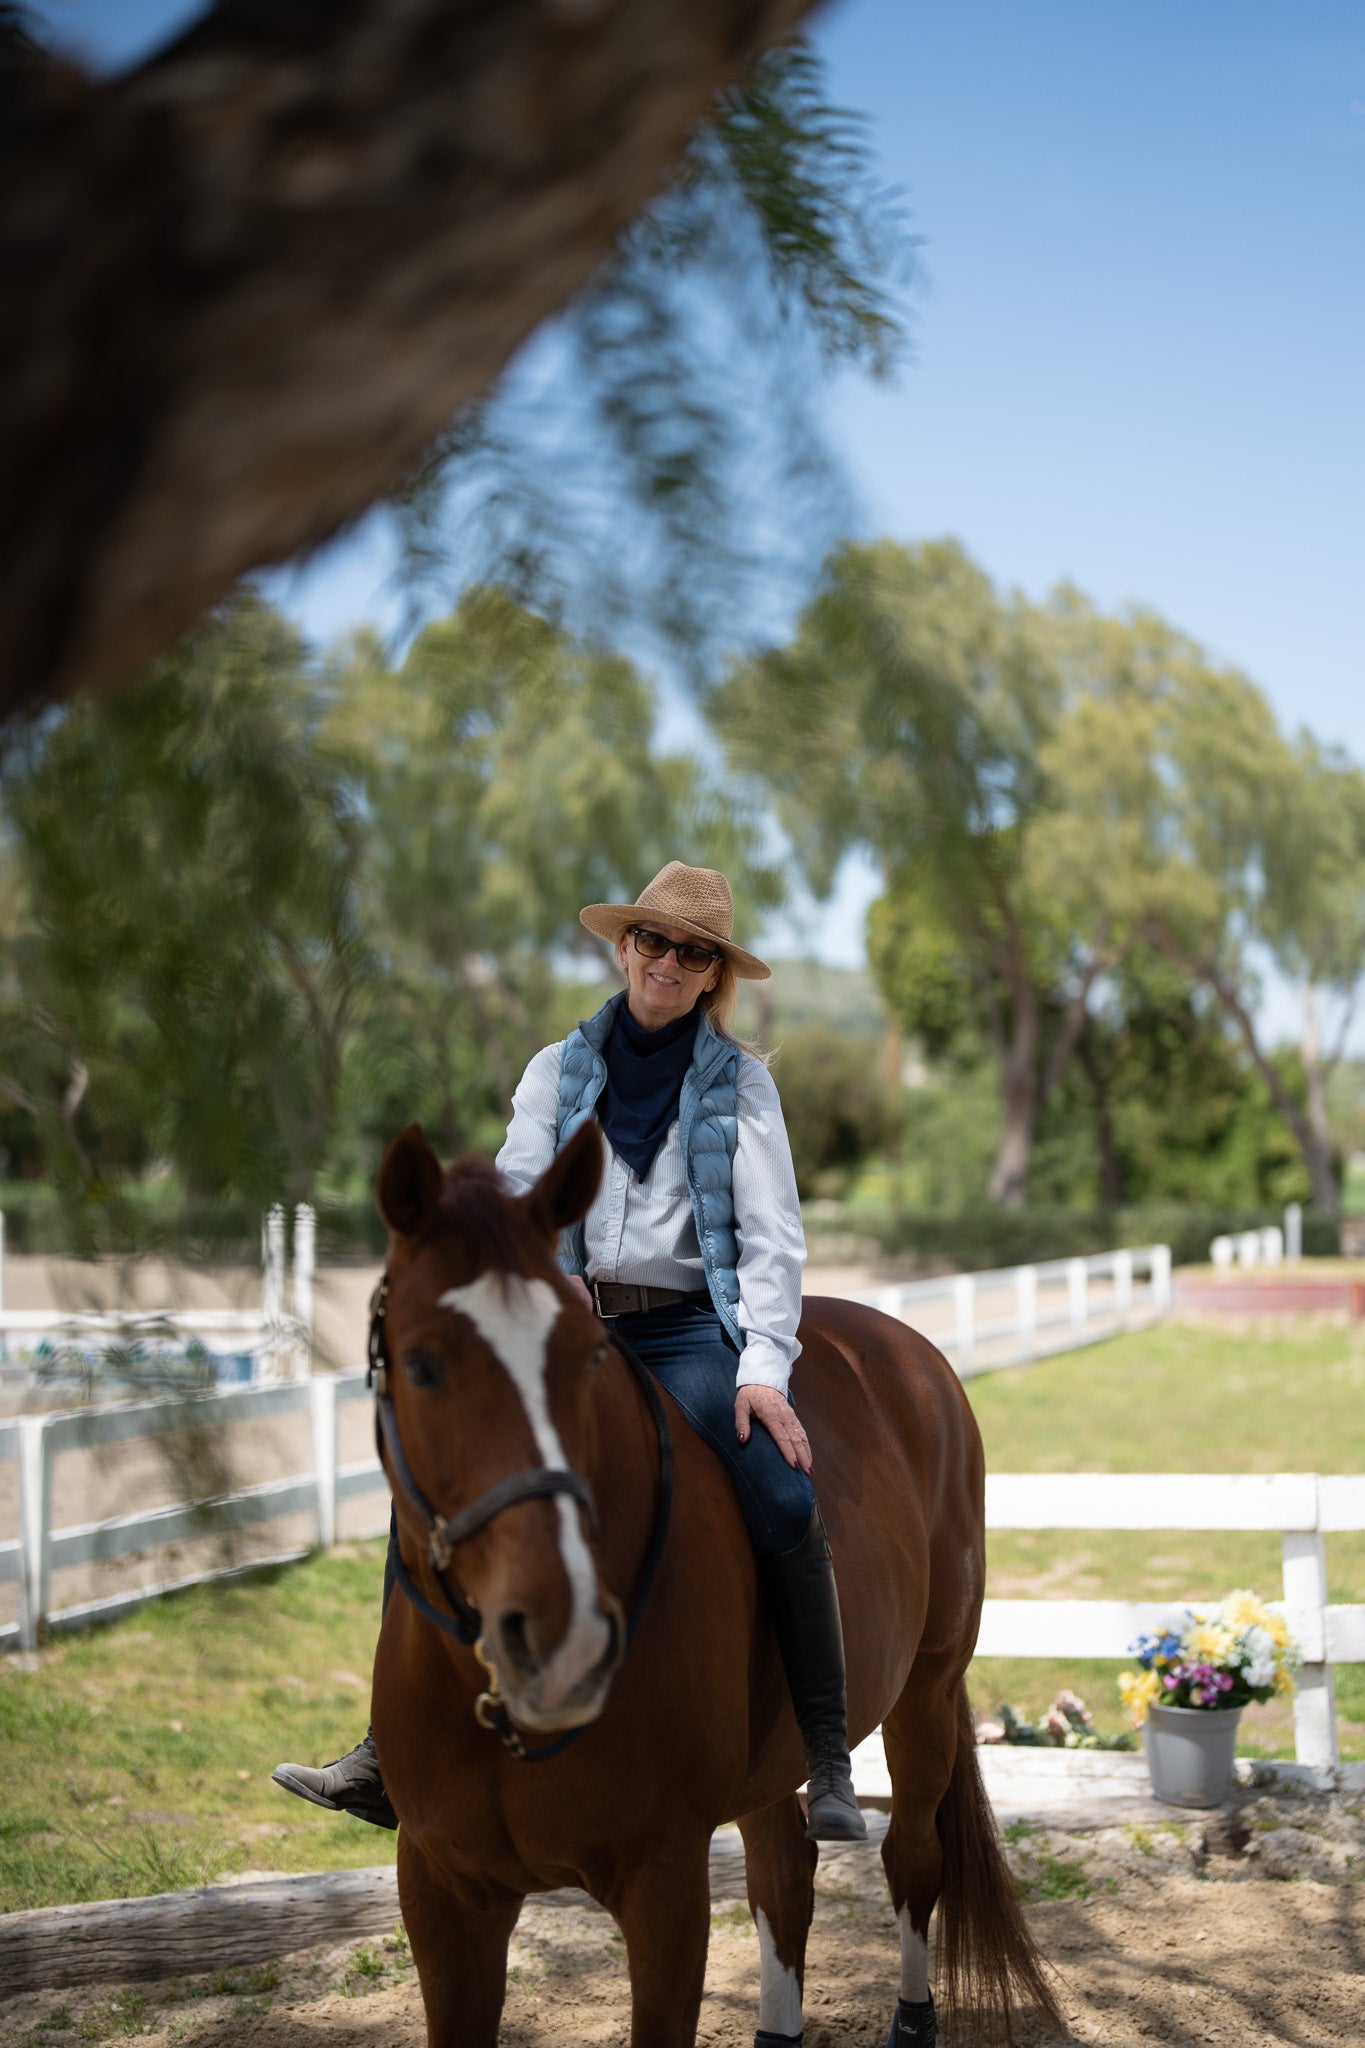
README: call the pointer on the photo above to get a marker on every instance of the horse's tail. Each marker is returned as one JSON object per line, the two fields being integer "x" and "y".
{"x": 987, "y": 1957}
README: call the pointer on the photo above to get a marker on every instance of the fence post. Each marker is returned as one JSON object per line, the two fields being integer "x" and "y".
{"x": 964, "y": 1320}
{"x": 272, "y": 1265}
{"x": 1161, "y": 1279}
{"x": 305, "y": 1255}
{"x": 35, "y": 1508}
{"x": 1293, "y": 1233}
{"x": 1077, "y": 1284}
{"x": 1305, "y": 1599}
{"x": 1026, "y": 1306}
{"x": 323, "y": 1390}
{"x": 1123, "y": 1287}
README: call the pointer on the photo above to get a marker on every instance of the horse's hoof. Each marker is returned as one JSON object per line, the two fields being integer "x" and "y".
{"x": 914, "y": 2025}
{"x": 763, "y": 2039}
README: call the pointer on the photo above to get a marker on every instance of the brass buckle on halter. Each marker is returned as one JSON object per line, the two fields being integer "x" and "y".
{"x": 439, "y": 1544}
{"x": 490, "y": 1708}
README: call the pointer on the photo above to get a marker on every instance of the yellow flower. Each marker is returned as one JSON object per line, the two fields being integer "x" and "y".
{"x": 1283, "y": 1682}
{"x": 1137, "y": 1690}
{"x": 1277, "y": 1628}
{"x": 1243, "y": 1610}
{"x": 1210, "y": 1643}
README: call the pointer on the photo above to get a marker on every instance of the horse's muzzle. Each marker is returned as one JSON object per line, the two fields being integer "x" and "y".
{"x": 569, "y": 1687}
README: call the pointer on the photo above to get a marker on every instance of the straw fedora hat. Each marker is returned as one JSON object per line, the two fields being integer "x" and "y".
{"x": 696, "y": 900}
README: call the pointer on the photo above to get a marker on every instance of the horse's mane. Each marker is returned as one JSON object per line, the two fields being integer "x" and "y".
{"x": 479, "y": 1212}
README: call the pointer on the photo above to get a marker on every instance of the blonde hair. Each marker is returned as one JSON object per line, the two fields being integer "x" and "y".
{"x": 719, "y": 1002}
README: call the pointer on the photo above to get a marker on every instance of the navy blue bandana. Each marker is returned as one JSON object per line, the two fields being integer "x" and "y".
{"x": 645, "y": 1072}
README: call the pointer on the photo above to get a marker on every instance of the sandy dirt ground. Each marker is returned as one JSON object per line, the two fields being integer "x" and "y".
{"x": 1250, "y": 1933}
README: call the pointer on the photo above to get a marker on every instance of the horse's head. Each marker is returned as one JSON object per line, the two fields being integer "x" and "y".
{"x": 491, "y": 1355}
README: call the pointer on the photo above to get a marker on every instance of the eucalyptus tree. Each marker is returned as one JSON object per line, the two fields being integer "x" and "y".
{"x": 916, "y": 713}
{"x": 187, "y": 960}
{"x": 507, "y": 774}
{"x": 1230, "y": 847}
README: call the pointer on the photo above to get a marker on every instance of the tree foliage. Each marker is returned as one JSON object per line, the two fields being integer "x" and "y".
{"x": 264, "y": 911}
{"x": 912, "y": 714}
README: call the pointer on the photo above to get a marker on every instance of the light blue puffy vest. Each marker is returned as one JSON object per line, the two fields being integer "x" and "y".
{"x": 708, "y": 1125}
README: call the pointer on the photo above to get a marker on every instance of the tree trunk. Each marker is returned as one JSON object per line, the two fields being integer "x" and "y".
{"x": 1315, "y": 1069}
{"x": 248, "y": 284}
{"x": 1107, "y": 1157}
{"x": 1019, "y": 1092}
{"x": 1316, "y": 1146}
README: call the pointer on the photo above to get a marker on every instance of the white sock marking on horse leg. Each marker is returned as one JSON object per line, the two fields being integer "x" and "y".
{"x": 515, "y": 1317}
{"x": 914, "y": 1961}
{"x": 779, "y": 1994}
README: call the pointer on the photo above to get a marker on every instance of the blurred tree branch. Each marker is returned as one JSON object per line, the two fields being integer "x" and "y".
{"x": 252, "y": 281}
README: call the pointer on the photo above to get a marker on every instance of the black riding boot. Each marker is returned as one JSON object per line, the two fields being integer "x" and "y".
{"x": 352, "y": 1784}
{"x": 804, "y": 1604}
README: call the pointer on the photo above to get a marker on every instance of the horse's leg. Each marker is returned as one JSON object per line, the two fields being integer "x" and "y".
{"x": 459, "y": 1944}
{"x": 663, "y": 1908}
{"x": 920, "y": 1734}
{"x": 780, "y": 1868}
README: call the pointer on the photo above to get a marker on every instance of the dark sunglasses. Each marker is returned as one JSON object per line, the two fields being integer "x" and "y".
{"x": 654, "y": 946}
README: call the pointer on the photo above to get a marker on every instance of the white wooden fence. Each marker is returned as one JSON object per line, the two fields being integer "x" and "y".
{"x": 1303, "y": 1507}
{"x": 1054, "y": 1306}
{"x": 69, "y": 1344}
{"x": 37, "y": 1440}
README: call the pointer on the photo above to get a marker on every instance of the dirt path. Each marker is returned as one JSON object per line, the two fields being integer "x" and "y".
{"x": 1180, "y": 1935}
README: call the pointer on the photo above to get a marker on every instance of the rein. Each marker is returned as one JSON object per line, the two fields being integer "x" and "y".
{"x": 444, "y": 1533}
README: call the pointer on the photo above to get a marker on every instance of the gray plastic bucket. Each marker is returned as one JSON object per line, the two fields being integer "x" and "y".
{"x": 1190, "y": 1752}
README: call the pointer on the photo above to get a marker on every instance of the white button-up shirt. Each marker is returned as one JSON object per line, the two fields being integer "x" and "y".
{"x": 643, "y": 1230}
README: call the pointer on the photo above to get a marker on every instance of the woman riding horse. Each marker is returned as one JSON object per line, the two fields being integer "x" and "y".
{"x": 692, "y": 1251}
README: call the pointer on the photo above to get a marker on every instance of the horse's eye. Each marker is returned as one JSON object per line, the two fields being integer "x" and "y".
{"x": 424, "y": 1368}
{"x": 597, "y": 1354}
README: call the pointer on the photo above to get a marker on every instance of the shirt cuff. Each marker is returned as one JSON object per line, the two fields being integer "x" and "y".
{"x": 762, "y": 1364}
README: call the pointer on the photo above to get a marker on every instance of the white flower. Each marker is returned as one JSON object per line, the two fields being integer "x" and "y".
{"x": 1258, "y": 1649}
{"x": 1260, "y": 1673}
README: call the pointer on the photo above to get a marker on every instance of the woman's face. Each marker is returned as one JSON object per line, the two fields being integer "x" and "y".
{"x": 658, "y": 992}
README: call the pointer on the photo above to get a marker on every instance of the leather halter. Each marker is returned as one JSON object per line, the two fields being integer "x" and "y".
{"x": 445, "y": 1533}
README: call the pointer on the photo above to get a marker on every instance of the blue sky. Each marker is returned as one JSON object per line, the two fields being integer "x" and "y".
{"x": 1140, "y": 340}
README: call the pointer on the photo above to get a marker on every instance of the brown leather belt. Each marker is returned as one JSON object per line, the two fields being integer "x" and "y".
{"x": 620, "y": 1298}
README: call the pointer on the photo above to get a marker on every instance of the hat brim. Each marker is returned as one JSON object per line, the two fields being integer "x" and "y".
{"x": 610, "y": 920}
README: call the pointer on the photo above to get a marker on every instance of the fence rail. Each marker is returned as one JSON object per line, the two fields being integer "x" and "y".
{"x": 37, "y": 1440}
{"x": 1057, "y": 1305}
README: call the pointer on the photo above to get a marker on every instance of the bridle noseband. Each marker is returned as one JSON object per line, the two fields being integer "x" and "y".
{"x": 445, "y": 1533}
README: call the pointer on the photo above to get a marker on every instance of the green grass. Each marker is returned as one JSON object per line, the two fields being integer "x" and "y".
{"x": 1172, "y": 1399}
{"x": 138, "y": 1757}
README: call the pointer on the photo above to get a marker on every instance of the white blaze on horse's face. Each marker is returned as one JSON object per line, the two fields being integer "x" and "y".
{"x": 515, "y": 1317}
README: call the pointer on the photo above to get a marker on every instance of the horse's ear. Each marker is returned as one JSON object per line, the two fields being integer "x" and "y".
{"x": 565, "y": 1190}
{"x": 410, "y": 1180}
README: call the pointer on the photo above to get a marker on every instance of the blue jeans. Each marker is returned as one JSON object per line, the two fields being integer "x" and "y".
{"x": 690, "y": 1353}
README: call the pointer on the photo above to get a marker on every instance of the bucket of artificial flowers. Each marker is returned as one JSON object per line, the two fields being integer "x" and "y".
{"x": 1198, "y": 1672}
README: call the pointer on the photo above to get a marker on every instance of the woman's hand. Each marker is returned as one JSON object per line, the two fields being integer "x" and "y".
{"x": 778, "y": 1417}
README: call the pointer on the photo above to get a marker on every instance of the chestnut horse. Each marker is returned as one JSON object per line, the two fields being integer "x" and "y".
{"x": 527, "y": 1468}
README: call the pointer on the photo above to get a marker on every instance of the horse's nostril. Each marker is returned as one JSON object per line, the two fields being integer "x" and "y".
{"x": 515, "y": 1642}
